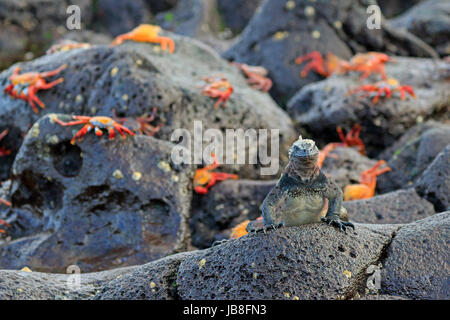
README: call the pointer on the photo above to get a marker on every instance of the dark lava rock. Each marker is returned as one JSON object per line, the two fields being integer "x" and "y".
{"x": 417, "y": 261}
{"x": 97, "y": 204}
{"x": 156, "y": 280}
{"x": 198, "y": 19}
{"x": 402, "y": 206}
{"x": 226, "y": 205}
{"x": 430, "y": 21}
{"x": 321, "y": 107}
{"x": 30, "y": 26}
{"x": 391, "y": 8}
{"x": 237, "y": 13}
{"x": 345, "y": 165}
{"x": 192, "y": 18}
{"x": 308, "y": 262}
{"x": 157, "y": 6}
{"x": 434, "y": 184}
{"x": 412, "y": 154}
{"x": 281, "y": 31}
{"x": 21, "y": 285}
{"x": 136, "y": 77}
{"x": 116, "y": 17}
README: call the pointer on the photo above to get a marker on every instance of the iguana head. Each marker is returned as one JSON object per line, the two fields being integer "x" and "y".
{"x": 303, "y": 148}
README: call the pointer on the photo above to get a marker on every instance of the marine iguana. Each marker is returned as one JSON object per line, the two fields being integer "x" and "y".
{"x": 303, "y": 194}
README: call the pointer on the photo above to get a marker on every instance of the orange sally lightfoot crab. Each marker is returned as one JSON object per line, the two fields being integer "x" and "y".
{"x": 351, "y": 139}
{"x": 383, "y": 89}
{"x": 217, "y": 88}
{"x": 204, "y": 178}
{"x": 367, "y": 183}
{"x": 98, "y": 123}
{"x": 256, "y": 76}
{"x": 142, "y": 124}
{"x": 365, "y": 63}
{"x": 25, "y": 86}
{"x": 146, "y": 33}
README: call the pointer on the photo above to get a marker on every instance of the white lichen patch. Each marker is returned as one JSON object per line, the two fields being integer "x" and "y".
{"x": 315, "y": 34}
{"x": 53, "y": 139}
{"x": 79, "y": 98}
{"x": 136, "y": 176}
{"x": 175, "y": 178}
{"x": 290, "y": 5}
{"x": 309, "y": 11}
{"x": 34, "y": 131}
{"x": 280, "y": 35}
{"x": 337, "y": 24}
{"x": 125, "y": 97}
{"x": 348, "y": 274}
{"x": 165, "y": 166}
{"x": 114, "y": 71}
{"x": 117, "y": 174}
{"x": 152, "y": 284}
{"x": 201, "y": 263}
{"x": 139, "y": 62}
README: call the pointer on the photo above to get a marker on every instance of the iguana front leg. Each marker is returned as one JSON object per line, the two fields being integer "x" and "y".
{"x": 269, "y": 206}
{"x": 334, "y": 196}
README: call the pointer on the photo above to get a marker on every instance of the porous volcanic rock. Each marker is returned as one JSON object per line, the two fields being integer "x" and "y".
{"x": 116, "y": 17}
{"x": 156, "y": 280}
{"x": 402, "y": 206}
{"x": 98, "y": 204}
{"x": 308, "y": 262}
{"x": 134, "y": 78}
{"x": 434, "y": 184}
{"x": 237, "y": 13}
{"x": 416, "y": 265}
{"x": 321, "y": 107}
{"x": 22, "y": 285}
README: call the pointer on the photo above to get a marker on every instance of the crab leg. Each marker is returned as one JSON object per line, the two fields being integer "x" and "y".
{"x": 53, "y": 72}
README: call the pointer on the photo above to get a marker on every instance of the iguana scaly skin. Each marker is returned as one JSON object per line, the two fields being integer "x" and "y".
{"x": 303, "y": 194}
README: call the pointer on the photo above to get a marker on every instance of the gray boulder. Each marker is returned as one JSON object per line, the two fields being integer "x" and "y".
{"x": 412, "y": 154}
{"x": 430, "y": 21}
{"x": 434, "y": 184}
{"x": 417, "y": 261}
{"x": 308, "y": 262}
{"x": 98, "y": 204}
{"x": 22, "y": 285}
{"x": 402, "y": 206}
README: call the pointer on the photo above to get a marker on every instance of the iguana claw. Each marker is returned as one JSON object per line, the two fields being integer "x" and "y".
{"x": 337, "y": 222}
